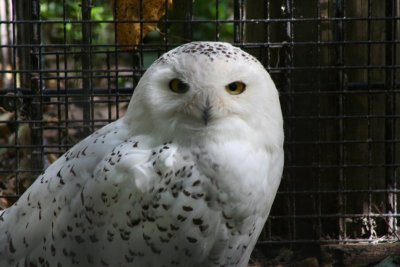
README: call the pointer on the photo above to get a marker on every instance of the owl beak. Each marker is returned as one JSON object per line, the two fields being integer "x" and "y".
{"x": 206, "y": 112}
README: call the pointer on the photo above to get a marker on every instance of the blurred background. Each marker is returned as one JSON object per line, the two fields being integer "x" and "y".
{"x": 68, "y": 67}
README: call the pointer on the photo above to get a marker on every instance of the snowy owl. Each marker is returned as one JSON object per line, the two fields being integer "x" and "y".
{"x": 186, "y": 178}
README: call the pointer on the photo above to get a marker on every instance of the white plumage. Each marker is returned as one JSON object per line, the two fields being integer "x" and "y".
{"x": 186, "y": 178}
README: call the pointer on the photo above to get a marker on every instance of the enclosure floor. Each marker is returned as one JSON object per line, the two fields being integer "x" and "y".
{"x": 381, "y": 254}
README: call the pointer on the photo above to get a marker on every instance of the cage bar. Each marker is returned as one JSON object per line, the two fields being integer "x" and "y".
{"x": 390, "y": 80}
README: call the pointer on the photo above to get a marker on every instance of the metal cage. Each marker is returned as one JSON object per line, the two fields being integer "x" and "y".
{"x": 64, "y": 73}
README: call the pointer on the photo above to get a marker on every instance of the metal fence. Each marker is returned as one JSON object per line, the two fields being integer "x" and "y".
{"x": 65, "y": 70}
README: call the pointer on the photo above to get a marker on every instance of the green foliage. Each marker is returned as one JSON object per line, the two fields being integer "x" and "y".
{"x": 66, "y": 19}
{"x": 66, "y": 26}
{"x": 63, "y": 25}
{"x": 209, "y": 10}
{"x": 212, "y": 20}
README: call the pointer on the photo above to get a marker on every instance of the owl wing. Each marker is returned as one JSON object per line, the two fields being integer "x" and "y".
{"x": 100, "y": 186}
{"x": 55, "y": 192}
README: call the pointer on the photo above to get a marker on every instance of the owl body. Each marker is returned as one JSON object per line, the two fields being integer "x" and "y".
{"x": 186, "y": 178}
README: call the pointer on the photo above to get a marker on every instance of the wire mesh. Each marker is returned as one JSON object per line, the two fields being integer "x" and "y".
{"x": 64, "y": 74}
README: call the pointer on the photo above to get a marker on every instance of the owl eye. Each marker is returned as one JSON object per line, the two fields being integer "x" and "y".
{"x": 178, "y": 86}
{"x": 235, "y": 88}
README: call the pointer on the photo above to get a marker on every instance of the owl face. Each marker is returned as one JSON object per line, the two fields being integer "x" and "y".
{"x": 207, "y": 87}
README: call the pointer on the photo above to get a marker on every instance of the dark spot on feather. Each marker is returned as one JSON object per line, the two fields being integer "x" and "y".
{"x": 79, "y": 239}
{"x": 133, "y": 223}
{"x": 72, "y": 171}
{"x": 104, "y": 263}
{"x": 11, "y": 246}
{"x": 187, "y": 208}
{"x": 203, "y": 227}
{"x": 196, "y": 183}
{"x": 181, "y": 218}
{"x": 110, "y": 236}
{"x": 197, "y": 221}
{"x": 146, "y": 237}
{"x": 191, "y": 239}
{"x": 174, "y": 228}
{"x": 162, "y": 229}
{"x": 226, "y": 216}
{"x": 84, "y": 151}
{"x": 164, "y": 240}
{"x": 229, "y": 226}
{"x": 82, "y": 198}
{"x": 93, "y": 238}
{"x": 155, "y": 250}
{"x": 124, "y": 234}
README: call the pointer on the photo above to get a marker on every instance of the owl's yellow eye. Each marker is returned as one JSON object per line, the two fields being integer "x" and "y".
{"x": 178, "y": 86}
{"x": 235, "y": 88}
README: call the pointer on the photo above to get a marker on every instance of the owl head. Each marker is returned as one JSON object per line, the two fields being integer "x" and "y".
{"x": 207, "y": 90}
